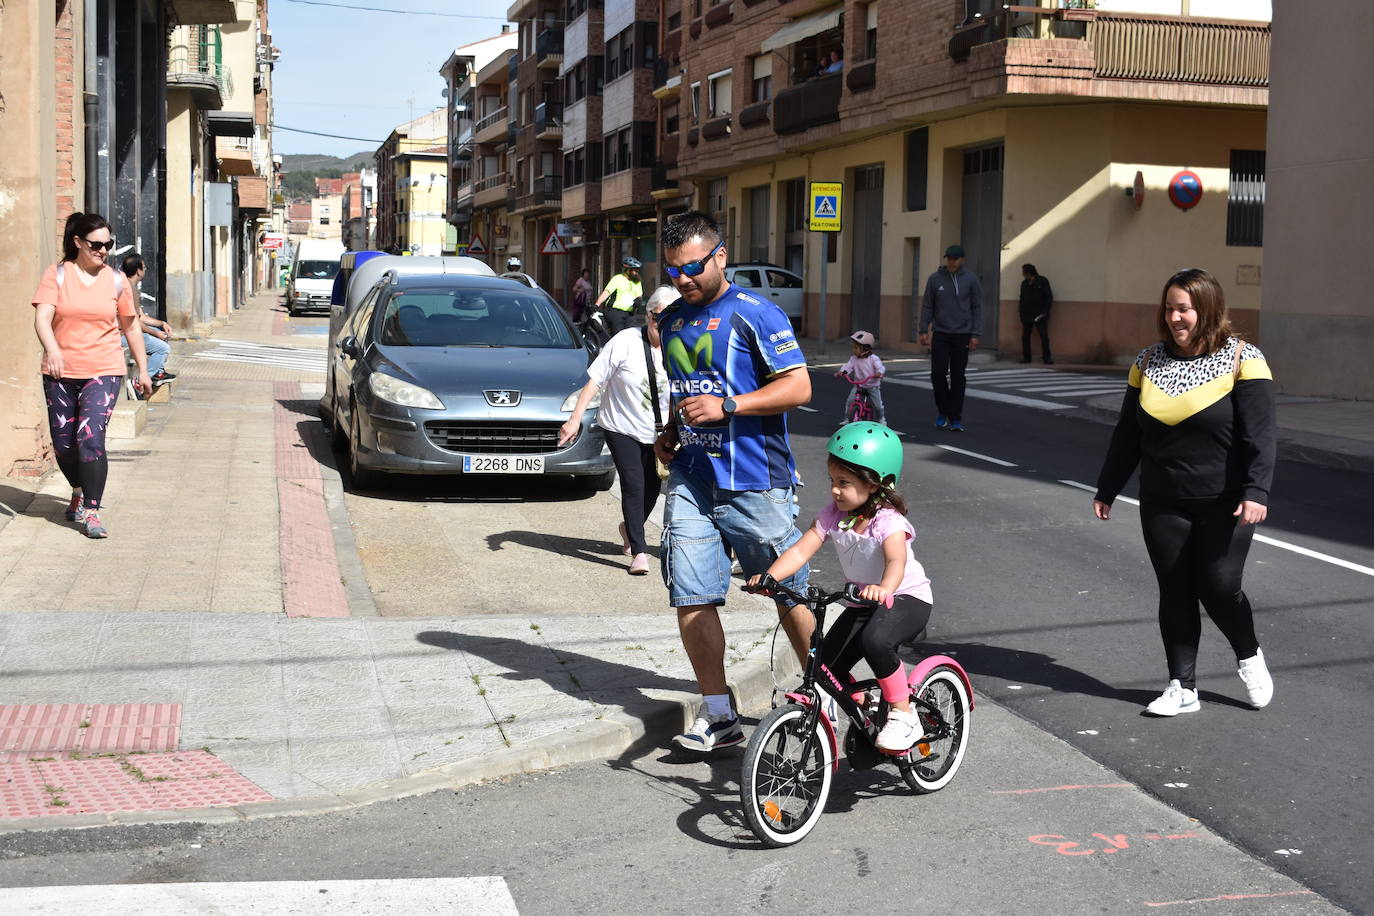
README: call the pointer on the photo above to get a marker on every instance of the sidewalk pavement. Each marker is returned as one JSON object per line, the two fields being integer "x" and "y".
{"x": 221, "y": 657}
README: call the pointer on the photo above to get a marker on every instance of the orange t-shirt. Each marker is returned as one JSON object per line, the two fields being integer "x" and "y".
{"x": 86, "y": 323}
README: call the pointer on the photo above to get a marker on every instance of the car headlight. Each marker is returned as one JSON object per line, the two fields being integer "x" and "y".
{"x": 571, "y": 401}
{"x": 394, "y": 391}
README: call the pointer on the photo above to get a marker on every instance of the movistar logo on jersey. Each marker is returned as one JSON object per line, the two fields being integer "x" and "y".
{"x": 687, "y": 363}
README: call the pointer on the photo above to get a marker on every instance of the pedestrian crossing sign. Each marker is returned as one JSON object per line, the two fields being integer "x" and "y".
{"x": 826, "y": 199}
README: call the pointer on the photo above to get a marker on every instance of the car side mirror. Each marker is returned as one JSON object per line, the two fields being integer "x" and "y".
{"x": 350, "y": 346}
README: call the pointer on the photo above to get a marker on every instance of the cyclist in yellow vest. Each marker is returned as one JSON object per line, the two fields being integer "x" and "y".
{"x": 622, "y": 296}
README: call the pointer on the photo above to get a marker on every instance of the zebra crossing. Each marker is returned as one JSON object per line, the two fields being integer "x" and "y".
{"x": 1040, "y": 389}
{"x": 303, "y": 359}
{"x": 484, "y": 896}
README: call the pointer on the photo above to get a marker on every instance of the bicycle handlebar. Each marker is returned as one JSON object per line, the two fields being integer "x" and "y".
{"x": 851, "y": 380}
{"x": 769, "y": 587}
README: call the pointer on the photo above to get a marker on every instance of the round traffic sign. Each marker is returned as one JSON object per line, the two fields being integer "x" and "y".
{"x": 1185, "y": 190}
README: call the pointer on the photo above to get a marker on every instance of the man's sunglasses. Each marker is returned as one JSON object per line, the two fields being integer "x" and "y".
{"x": 99, "y": 246}
{"x": 693, "y": 268}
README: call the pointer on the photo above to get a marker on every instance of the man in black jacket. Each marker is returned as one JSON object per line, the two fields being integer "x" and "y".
{"x": 1036, "y": 299}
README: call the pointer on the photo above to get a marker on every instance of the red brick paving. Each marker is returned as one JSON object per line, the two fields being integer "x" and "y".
{"x": 43, "y": 729}
{"x": 311, "y": 584}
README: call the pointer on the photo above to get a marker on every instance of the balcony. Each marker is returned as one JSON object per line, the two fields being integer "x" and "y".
{"x": 1095, "y": 45}
{"x": 661, "y": 187}
{"x": 548, "y": 121}
{"x": 548, "y": 49}
{"x": 716, "y": 128}
{"x": 490, "y": 128}
{"x": 813, "y": 103}
{"x": 195, "y": 63}
{"x": 547, "y": 193}
{"x": 668, "y": 149}
{"x": 719, "y": 14}
{"x": 755, "y": 115}
{"x": 490, "y": 191}
{"x": 205, "y": 12}
{"x": 235, "y": 155}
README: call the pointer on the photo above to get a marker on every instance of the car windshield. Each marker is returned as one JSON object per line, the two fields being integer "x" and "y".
{"x": 317, "y": 270}
{"x": 474, "y": 318}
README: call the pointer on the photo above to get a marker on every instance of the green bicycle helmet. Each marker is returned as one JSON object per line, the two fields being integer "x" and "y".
{"x": 869, "y": 445}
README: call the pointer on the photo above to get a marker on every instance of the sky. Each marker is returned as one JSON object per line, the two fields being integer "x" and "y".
{"x": 360, "y": 73}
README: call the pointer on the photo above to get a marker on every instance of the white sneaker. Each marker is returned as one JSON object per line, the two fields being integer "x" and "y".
{"x": 1258, "y": 684}
{"x": 901, "y": 731}
{"x": 708, "y": 734}
{"x": 830, "y": 708}
{"x": 1174, "y": 700}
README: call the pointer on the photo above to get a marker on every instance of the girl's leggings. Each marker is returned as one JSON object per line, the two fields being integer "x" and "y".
{"x": 79, "y": 411}
{"x": 873, "y": 634}
{"x": 1198, "y": 551}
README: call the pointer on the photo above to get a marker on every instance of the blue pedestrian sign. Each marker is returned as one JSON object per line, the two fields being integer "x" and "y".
{"x": 826, "y": 198}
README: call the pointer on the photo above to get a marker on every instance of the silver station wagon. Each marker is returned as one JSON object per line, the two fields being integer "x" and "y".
{"x": 458, "y": 374}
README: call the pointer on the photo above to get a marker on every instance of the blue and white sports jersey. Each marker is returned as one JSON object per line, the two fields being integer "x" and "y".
{"x": 728, "y": 347}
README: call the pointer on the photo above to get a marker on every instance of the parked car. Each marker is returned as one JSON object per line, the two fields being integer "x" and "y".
{"x": 360, "y": 270}
{"x": 311, "y": 281}
{"x": 771, "y": 281}
{"x": 461, "y": 374}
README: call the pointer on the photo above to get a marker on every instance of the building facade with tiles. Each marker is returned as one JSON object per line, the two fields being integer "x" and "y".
{"x": 1019, "y": 134}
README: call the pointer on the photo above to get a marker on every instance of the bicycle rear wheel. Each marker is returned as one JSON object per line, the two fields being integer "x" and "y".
{"x": 930, "y": 765}
{"x": 786, "y": 777}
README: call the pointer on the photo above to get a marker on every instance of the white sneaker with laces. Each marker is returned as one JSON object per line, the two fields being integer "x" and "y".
{"x": 901, "y": 731}
{"x": 830, "y": 708}
{"x": 1258, "y": 684}
{"x": 1174, "y": 700}
{"x": 707, "y": 734}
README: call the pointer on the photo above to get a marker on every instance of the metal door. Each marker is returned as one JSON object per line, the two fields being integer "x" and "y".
{"x": 866, "y": 261}
{"x": 982, "y": 228}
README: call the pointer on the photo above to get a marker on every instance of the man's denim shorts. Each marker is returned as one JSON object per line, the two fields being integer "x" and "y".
{"x": 699, "y": 520}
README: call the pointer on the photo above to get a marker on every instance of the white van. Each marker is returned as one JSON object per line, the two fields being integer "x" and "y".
{"x": 313, "y": 269}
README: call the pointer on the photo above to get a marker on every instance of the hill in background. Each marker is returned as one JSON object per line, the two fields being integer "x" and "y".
{"x": 299, "y": 171}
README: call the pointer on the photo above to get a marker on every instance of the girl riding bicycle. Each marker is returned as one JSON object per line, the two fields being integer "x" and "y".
{"x": 866, "y": 371}
{"x": 867, "y": 522}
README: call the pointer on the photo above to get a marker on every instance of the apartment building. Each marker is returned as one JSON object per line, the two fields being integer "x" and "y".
{"x": 477, "y": 81}
{"x": 1028, "y": 133}
{"x": 358, "y": 214}
{"x": 412, "y": 187}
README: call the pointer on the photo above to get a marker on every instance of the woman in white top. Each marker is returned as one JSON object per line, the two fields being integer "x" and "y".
{"x": 620, "y": 375}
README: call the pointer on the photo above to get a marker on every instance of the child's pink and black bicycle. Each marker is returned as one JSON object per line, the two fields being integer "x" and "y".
{"x": 793, "y": 753}
{"x": 863, "y": 407}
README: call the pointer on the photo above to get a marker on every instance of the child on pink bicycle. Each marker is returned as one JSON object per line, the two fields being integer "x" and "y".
{"x": 867, "y": 522}
{"x": 866, "y": 371}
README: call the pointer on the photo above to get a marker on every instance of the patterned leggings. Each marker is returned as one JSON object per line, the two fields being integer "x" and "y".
{"x": 79, "y": 410}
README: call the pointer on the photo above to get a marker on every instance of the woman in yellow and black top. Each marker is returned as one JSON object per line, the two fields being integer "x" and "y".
{"x": 1199, "y": 420}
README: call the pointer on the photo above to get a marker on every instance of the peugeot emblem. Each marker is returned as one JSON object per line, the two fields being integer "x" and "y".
{"x": 502, "y": 397}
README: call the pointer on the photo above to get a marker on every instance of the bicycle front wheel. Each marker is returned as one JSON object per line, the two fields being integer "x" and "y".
{"x": 932, "y": 763}
{"x": 786, "y": 777}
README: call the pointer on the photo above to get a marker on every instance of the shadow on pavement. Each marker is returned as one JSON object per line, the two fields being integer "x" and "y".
{"x": 593, "y": 551}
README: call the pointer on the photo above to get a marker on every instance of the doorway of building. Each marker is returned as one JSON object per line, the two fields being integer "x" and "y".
{"x": 866, "y": 260}
{"x": 982, "y": 232}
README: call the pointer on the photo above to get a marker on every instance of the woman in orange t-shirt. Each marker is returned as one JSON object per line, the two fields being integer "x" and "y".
{"x": 81, "y": 308}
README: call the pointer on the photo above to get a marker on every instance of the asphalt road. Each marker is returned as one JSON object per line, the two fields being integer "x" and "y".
{"x": 1053, "y": 613}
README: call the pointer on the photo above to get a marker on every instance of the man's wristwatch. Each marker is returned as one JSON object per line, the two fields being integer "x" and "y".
{"x": 729, "y": 406}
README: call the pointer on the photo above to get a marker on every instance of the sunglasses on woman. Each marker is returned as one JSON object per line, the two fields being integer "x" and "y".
{"x": 99, "y": 246}
{"x": 692, "y": 268}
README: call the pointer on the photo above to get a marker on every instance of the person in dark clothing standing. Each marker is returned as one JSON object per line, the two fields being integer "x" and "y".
{"x": 1036, "y": 299}
{"x": 1198, "y": 418}
{"x": 951, "y": 323}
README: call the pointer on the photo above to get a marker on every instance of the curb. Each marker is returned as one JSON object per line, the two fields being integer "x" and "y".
{"x": 750, "y": 682}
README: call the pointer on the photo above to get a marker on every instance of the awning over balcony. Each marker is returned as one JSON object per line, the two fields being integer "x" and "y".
{"x": 798, "y": 29}
{"x": 229, "y": 123}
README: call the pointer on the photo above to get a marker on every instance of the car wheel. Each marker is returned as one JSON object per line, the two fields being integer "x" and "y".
{"x": 597, "y": 483}
{"x": 331, "y": 423}
{"x": 363, "y": 478}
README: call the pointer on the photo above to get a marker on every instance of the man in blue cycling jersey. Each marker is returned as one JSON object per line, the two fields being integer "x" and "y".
{"x": 734, "y": 368}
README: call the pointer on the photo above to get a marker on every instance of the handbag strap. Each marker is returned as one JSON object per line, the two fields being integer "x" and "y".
{"x": 653, "y": 379}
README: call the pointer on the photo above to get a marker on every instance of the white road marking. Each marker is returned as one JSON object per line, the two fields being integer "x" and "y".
{"x": 971, "y": 392}
{"x": 807, "y": 409}
{"x": 987, "y": 458}
{"x": 307, "y": 359}
{"x": 469, "y": 896}
{"x": 1262, "y": 538}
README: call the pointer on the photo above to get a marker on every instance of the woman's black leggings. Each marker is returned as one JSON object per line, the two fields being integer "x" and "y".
{"x": 639, "y": 484}
{"x": 873, "y": 634}
{"x": 1198, "y": 551}
{"x": 79, "y": 411}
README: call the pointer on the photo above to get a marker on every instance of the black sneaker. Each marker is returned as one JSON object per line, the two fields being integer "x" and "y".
{"x": 163, "y": 376}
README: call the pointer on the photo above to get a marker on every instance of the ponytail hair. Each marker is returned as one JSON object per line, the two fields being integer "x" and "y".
{"x": 81, "y": 224}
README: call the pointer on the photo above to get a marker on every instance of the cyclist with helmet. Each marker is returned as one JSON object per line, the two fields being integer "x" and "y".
{"x": 622, "y": 295}
{"x": 515, "y": 271}
{"x": 866, "y": 520}
{"x": 864, "y": 364}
